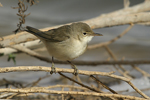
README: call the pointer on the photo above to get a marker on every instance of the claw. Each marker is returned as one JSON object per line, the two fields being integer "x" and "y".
{"x": 53, "y": 69}
{"x": 75, "y": 71}
{"x": 75, "y": 68}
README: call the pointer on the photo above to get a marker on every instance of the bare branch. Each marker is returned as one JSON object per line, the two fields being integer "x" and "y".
{"x": 111, "y": 90}
{"x": 111, "y": 41}
{"x": 89, "y": 63}
{"x": 24, "y": 36}
{"x": 94, "y": 23}
{"x": 59, "y": 70}
{"x": 141, "y": 71}
{"x": 126, "y": 4}
{"x": 123, "y": 70}
{"x": 79, "y": 83}
{"x": 48, "y": 69}
{"x": 29, "y": 44}
{"x": 137, "y": 90}
{"x": 70, "y": 92}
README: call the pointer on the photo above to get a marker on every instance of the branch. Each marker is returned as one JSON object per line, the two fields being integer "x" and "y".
{"x": 65, "y": 86}
{"x": 79, "y": 83}
{"x": 48, "y": 69}
{"x": 97, "y": 22}
{"x": 111, "y": 41}
{"x": 24, "y": 37}
{"x": 69, "y": 92}
{"x": 59, "y": 70}
{"x": 141, "y": 71}
{"x": 137, "y": 90}
{"x": 134, "y": 9}
{"x": 122, "y": 71}
{"x": 30, "y": 44}
{"x": 111, "y": 90}
{"x": 89, "y": 63}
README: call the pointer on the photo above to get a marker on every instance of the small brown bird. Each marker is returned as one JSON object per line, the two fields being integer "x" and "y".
{"x": 66, "y": 42}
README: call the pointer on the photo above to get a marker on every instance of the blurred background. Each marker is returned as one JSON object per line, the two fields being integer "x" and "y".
{"x": 135, "y": 45}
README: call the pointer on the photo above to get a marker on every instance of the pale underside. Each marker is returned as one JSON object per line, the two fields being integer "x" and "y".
{"x": 68, "y": 49}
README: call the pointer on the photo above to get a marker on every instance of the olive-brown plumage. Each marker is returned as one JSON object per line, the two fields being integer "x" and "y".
{"x": 66, "y": 42}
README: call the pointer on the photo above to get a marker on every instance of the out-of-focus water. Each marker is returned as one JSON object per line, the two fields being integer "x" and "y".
{"x": 134, "y": 45}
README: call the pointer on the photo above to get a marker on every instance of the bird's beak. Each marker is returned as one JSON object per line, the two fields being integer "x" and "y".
{"x": 97, "y": 34}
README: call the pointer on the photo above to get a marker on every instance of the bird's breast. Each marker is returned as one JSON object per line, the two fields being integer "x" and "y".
{"x": 66, "y": 50}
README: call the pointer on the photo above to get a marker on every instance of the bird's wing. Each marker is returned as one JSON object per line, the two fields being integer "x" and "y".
{"x": 54, "y": 35}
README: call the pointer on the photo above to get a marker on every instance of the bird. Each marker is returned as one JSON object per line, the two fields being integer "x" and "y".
{"x": 65, "y": 43}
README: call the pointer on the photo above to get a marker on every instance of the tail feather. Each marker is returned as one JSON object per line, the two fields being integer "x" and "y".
{"x": 33, "y": 30}
{"x": 38, "y": 33}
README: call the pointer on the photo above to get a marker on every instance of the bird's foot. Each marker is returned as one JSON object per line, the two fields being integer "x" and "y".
{"x": 75, "y": 68}
{"x": 75, "y": 71}
{"x": 53, "y": 69}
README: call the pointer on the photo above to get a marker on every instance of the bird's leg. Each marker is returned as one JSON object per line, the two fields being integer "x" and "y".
{"x": 74, "y": 67}
{"x": 53, "y": 69}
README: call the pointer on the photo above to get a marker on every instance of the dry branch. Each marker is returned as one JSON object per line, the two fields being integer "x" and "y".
{"x": 137, "y": 90}
{"x": 59, "y": 70}
{"x": 65, "y": 86}
{"x": 79, "y": 83}
{"x": 143, "y": 7}
{"x": 48, "y": 69}
{"x": 22, "y": 8}
{"x": 126, "y": 16}
{"x": 34, "y": 83}
{"x": 94, "y": 46}
{"x": 89, "y": 63}
{"x": 118, "y": 20}
{"x": 94, "y": 23}
{"x": 121, "y": 68}
{"x": 126, "y": 4}
{"x": 13, "y": 39}
{"x": 24, "y": 36}
{"x": 141, "y": 71}
{"x": 69, "y": 92}
{"x": 29, "y": 44}
{"x": 111, "y": 90}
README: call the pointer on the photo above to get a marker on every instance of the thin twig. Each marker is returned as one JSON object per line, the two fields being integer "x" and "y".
{"x": 80, "y": 83}
{"x": 22, "y": 8}
{"x": 37, "y": 81}
{"x": 137, "y": 90}
{"x": 111, "y": 41}
{"x": 62, "y": 95}
{"x": 111, "y": 90}
{"x": 66, "y": 86}
{"x": 122, "y": 71}
{"x": 126, "y": 4}
{"x": 141, "y": 71}
{"x": 15, "y": 94}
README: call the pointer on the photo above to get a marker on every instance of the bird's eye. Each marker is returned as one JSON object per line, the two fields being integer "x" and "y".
{"x": 84, "y": 33}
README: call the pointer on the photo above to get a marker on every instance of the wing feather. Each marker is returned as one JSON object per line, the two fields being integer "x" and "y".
{"x": 55, "y": 35}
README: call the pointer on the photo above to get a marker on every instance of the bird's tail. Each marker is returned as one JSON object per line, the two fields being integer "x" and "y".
{"x": 33, "y": 31}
